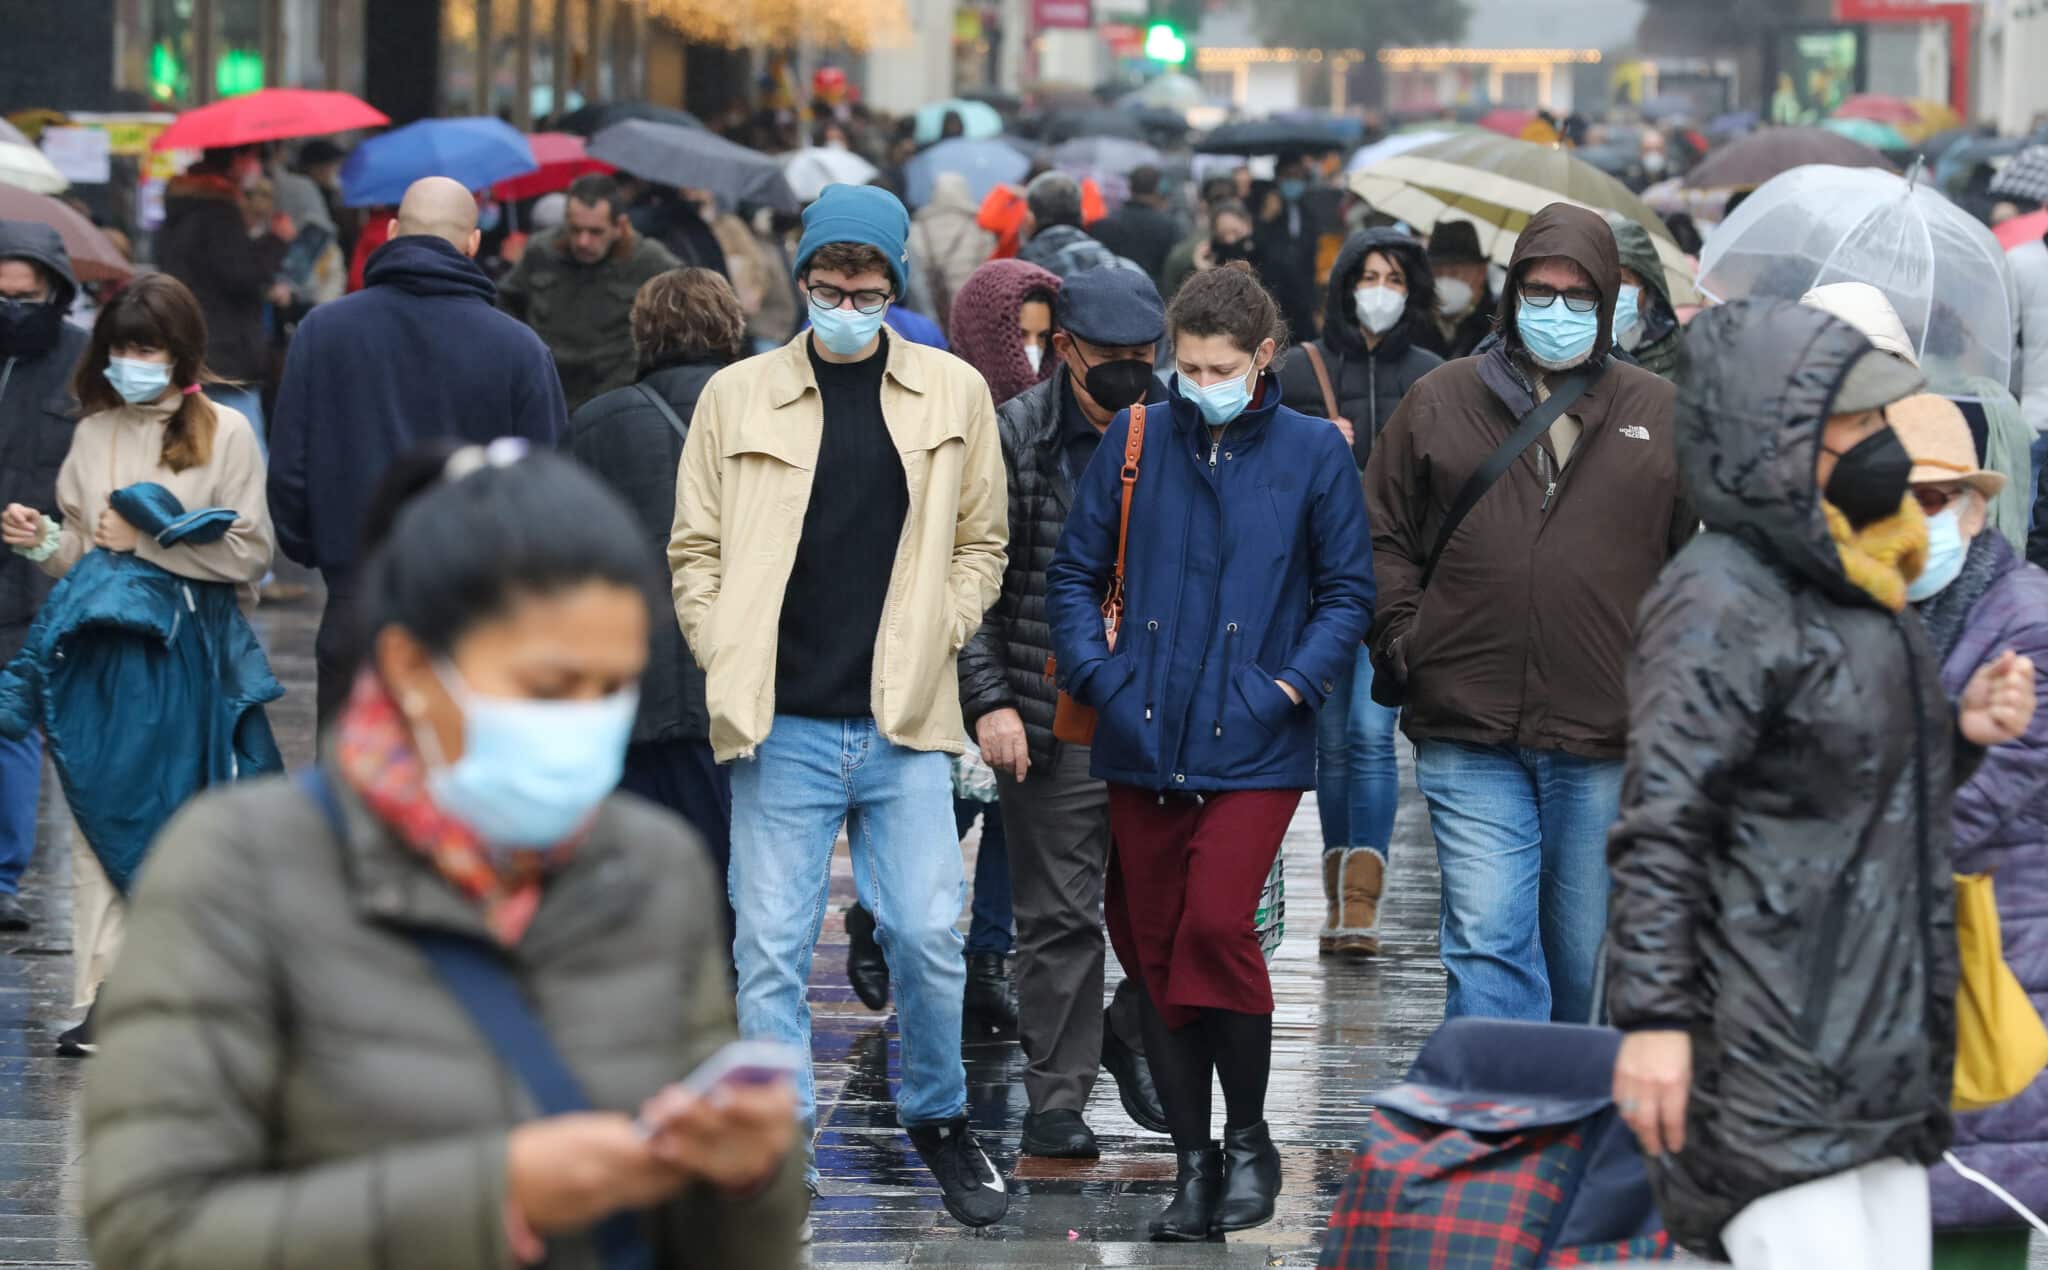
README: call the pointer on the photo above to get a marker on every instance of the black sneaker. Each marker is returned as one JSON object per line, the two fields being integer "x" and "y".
{"x": 77, "y": 1042}
{"x": 13, "y": 917}
{"x": 973, "y": 1190}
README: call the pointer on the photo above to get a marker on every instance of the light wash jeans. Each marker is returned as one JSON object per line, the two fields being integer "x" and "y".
{"x": 788, "y": 802}
{"x": 1521, "y": 840}
{"x": 1358, "y": 781}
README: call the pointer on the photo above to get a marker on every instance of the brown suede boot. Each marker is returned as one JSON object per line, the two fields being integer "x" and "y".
{"x": 1333, "y": 868}
{"x": 1362, "y": 881}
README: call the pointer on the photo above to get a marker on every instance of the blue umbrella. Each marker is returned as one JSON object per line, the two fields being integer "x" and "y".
{"x": 985, "y": 164}
{"x": 478, "y": 152}
{"x": 979, "y": 117}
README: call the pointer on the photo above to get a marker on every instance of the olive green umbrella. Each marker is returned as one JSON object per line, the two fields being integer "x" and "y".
{"x": 1498, "y": 183}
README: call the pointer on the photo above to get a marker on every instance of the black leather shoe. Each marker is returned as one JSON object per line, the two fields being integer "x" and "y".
{"x": 13, "y": 917}
{"x": 866, "y": 969}
{"x": 1059, "y": 1135}
{"x": 1193, "y": 1211}
{"x": 1133, "y": 1081}
{"x": 1251, "y": 1179}
{"x": 989, "y": 1000}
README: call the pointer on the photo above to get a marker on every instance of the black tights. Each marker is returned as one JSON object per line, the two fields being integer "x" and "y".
{"x": 1238, "y": 1048}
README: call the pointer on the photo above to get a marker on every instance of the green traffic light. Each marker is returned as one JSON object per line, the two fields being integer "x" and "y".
{"x": 1164, "y": 44}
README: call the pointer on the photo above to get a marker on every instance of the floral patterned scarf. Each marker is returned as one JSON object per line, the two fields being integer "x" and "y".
{"x": 375, "y": 753}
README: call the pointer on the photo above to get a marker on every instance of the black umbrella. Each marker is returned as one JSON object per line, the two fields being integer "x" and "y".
{"x": 669, "y": 154}
{"x": 1279, "y": 137}
{"x": 1762, "y": 155}
{"x": 1101, "y": 122}
{"x": 591, "y": 120}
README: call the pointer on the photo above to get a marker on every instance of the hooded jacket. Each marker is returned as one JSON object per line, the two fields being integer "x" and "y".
{"x": 1247, "y": 563}
{"x": 947, "y": 244}
{"x": 1782, "y": 859}
{"x": 37, "y": 414}
{"x": 1657, "y": 352}
{"x": 584, "y": 312}
{"x": 1523, "y": 635}
{"x": 204, "y": 244}
{"x": 418, "y": 355}
{"x": 1369, "y": 382}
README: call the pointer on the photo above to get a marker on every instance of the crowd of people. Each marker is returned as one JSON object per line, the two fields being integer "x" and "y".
{"x": 667, "y": 547}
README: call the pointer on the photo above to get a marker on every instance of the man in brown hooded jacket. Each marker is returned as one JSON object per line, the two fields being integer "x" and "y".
{"x": 1513, "y": 660}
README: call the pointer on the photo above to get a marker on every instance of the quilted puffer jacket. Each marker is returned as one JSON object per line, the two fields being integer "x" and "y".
{"x": 1782, "y": 860}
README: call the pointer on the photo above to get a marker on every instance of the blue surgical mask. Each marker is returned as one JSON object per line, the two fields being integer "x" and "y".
{"x": 845, "y": 331}
{"x": 1220, "y": 402}
{"x": 1556, "y": 336}
{"x": 531, "y": 771}
{"x": 1628, "y": 317}
{"x": 1946, "y": 549}
{"x": 1293, "y": 188}
{"x": 138, "y": 382}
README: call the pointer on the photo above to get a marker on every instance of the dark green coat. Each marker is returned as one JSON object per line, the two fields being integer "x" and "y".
{"x": 584, "y": 312}
{"x": 1658, "y": 353}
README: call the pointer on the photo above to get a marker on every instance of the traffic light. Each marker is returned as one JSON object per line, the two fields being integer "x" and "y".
{"x": 1164, "y": 44}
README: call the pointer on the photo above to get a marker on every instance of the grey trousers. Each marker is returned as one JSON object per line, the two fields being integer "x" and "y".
{"x": 1057, "y": 822}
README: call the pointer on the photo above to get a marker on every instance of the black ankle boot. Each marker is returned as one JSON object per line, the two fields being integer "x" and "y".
{"x": 1193, "y": 1211}
{"x": 866, "y": 969}
{"x": 1251, "y": 1179}
{"x": 988, "y": 999}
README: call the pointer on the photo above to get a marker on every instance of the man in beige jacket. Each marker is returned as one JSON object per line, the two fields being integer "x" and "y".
{"x": 841, "y": 517}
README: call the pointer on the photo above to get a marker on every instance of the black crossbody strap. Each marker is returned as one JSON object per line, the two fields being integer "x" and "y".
{"x": 1562, "y": 396}
{"x": 668, "y": 412}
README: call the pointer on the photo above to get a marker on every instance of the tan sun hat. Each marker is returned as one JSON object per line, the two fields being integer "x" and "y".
{"x": 1935, "y": 433}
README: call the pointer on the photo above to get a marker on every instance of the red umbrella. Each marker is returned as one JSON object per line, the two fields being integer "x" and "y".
{"x": 1878, "y": 107}
{"x": 1507, "y": 122}
{"x": 94, "y": 257}
{"x": 562, "y": 159}
{"x": 2021, "y": 229}
{"x": 269, "y": 114}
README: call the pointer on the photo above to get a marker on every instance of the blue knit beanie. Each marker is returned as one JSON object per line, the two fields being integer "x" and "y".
{"x": 858, "y": 214}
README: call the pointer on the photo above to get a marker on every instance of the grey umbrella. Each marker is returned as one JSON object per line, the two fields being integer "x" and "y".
{"x": 691, "y": 158}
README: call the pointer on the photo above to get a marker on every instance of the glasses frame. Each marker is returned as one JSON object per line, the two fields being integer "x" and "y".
{"x": 1544, "y": 297}
{"x": 819, "y": 291}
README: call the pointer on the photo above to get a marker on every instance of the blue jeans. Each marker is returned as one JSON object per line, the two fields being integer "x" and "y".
{"x": 788, "y": 801}
{"x": 249, "y": 401}
{"x": 989, "y": 925}
{"x": 21, "y": 779}
{"x": 1521, "y": 839}
{"x": 1358, "y": 782}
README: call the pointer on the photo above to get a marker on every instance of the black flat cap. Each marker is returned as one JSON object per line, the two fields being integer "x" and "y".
{"x": 1111, "y": 307}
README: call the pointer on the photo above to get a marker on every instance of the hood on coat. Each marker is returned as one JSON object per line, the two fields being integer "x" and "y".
{"x": 1756, "y": 385}
{"x": 1639, "y": 253}
{"x": 425, "y": 265}
{"x": 1581, "y": 237}
{"x": 1340, "y": 312}
{"x": 984, "y": 326}
{"x": 950, "y": 196}
{"x": 39, "y": 244}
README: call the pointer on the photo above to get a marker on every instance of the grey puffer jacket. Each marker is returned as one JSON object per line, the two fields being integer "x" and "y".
{"x": 1781, "y": 863}
{"x": 2001, "y": 827}
{"x": 280, "y": 1070}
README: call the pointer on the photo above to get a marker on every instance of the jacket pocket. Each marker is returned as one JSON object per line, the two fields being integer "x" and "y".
{"x": 1264, "y": 702}
{"x": 773, "y": 434}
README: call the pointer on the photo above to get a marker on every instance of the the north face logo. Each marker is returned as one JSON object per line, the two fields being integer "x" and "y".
{"x": 1636, "y": 432}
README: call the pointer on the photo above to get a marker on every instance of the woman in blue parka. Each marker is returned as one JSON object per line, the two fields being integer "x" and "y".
{"x": 1248, "y": 585}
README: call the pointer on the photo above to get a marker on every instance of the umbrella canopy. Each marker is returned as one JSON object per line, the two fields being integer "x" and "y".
{"x": 477, "y": 152}
{"x": 1760, "y": 156}
{"x": 1878, "y": 107}
{"x": 1387, "y": 147}
{"x": 1506, "y": 121}
{"x": 691, "y": 158}
{"x": 562, "y": 157}
{"x": 1941, "y": 269}
{"x": 1281, "y": 137}
{"x": 1497, "y": 184}
{"x": 13, "y": 135}
{"x": 1068, "y": 125}
{"x": 979, "y": 118}
{"x": 1878, "y": 136}
{"x": 269, "y": 114}
{"x": 591, "y": 120}
{"x": 2025, "y": 177}
{"x": 2030, "y": 228}
{"x": 985, "y": 164}
{"x": 94, "y": 258}
{"x": 1093, "y": 156}
{"x": 813, "y": 168}
{"x": 29, "y": 168}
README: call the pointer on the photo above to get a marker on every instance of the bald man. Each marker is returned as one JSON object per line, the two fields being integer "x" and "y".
{"x": 420, "y": 354}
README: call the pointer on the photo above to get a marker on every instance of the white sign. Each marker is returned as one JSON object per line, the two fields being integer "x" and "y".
{"x": 82, "y": 154}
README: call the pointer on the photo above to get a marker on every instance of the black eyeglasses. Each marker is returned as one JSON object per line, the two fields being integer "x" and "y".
{"x": 826, "y": 296}
{"x": 1539, "y": 297}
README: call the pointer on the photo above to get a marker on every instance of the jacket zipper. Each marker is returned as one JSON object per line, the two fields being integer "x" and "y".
{"x": 1372, "y": 391}
{"x": 6, "y": 375}
{"x": 1549, "y": 477}
{"x": 1223, "y": 682}
{"x": 1215, "y": 607}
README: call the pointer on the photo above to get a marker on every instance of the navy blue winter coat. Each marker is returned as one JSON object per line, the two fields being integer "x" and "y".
{"x": 419, "y": 355}
{"x": 1249, "y": 561}
{"x": 149, "y": 687}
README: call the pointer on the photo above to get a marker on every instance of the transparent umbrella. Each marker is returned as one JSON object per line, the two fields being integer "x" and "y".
{"x": 1941, "y": 269}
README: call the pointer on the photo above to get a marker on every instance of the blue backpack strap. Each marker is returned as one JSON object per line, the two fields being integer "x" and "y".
{"x": 480, "y": 979}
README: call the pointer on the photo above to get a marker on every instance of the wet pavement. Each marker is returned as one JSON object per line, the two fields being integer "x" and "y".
{"x": 1342, "y": 1028}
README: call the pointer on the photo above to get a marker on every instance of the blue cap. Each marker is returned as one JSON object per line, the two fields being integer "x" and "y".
{"x": 1111, "y": 307}
{"x": 858, "y": 214}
